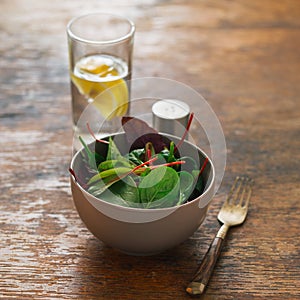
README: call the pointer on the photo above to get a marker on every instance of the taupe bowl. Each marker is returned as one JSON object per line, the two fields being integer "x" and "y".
{"x": 139, "y": 231}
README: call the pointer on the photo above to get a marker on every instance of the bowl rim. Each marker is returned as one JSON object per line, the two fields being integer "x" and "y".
{"x": 147, "y": 210}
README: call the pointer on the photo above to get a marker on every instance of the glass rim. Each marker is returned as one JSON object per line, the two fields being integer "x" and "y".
{"x": 72, "y": 35}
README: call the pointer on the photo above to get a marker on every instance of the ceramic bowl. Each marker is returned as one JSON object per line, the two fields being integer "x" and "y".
{"x": 139, "y": 231}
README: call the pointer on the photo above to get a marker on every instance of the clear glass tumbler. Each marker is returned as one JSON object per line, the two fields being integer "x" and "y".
{"x": 100, "y": 61}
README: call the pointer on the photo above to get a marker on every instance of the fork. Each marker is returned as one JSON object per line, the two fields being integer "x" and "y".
{"x": 232, "y": 213}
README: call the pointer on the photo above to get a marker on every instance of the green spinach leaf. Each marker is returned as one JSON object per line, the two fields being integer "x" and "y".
{"x": 159, "y": 188}
{"x": 136, "y": 156}
{"x": 114, "y": 163}
{"x": 113, "y": 151}
{"x": 126, "y": 189}
{"x": 187, "y": 183}
{"x": 115, "y": 172}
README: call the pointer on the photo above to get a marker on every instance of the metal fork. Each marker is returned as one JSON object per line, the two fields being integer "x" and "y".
{"x": 233, "y": 212}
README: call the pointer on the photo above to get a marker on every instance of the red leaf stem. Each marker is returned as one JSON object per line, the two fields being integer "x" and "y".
{"x": 134, "y": 169}
{"x": 144, "y": 164}
{"x": 73, "y": 173}
{"x": 203, "y": 166}
{"x": 77, "y": 179}
{"x": 148, "y": 154}
{"x": 93, "y": 134}
{"x": 173, "y": 163}
{"x": 185, "y": 132}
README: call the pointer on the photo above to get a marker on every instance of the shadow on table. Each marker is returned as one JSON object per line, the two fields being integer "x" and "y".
{"x": 107, "y": 273}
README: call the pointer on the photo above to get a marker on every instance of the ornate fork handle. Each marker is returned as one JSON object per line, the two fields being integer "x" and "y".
{"x": 233, "y": 212}
{"x": 201, "y": 278}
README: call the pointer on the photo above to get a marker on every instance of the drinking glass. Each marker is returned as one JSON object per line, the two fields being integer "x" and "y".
{"x": 100, "y": 61}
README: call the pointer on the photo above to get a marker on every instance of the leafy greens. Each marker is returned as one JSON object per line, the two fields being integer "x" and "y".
{"x": 151, "y": 175}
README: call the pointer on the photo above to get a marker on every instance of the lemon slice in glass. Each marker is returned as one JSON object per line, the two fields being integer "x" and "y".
{"x": 113, "y": 101}
{"x": 94, "y": 77}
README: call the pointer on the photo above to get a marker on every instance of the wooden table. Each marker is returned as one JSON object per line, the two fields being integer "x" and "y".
{"x": 244, "y": 58}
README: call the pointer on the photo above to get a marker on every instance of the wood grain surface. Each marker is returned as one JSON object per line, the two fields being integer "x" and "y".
{"x": 243, "y": 57}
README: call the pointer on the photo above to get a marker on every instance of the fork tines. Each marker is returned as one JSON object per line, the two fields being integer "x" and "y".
{"x": 240, "y": 192}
